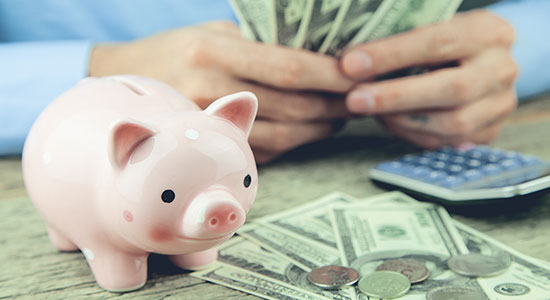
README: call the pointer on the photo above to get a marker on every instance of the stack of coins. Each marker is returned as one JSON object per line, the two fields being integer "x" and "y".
{"x": 394, "y": 277}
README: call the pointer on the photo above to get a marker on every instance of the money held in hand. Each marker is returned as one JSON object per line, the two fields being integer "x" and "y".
{"x": 384, "y": 284}
{"x": 478, "y": 265}
{"x": 412, "y": 269}
{"x": 333, "y": 277}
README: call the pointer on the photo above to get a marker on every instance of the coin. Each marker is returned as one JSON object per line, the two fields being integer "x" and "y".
{"x": 333, "y": 277}
{"x": 413, "y": 269}
{"x": 478, "y": 265}
{"x": 384, "y": 284}
{"x": 455, "y": 292}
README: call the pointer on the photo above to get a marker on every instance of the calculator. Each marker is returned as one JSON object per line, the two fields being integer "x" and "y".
{"x": 480, "y": 174}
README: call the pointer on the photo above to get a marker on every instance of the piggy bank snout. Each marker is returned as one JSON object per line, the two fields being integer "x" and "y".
{"x": 212, "y": 215}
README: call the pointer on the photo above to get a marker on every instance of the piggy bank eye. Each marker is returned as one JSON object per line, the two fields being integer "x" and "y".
{"x": 168, "y": 196}
{"x": 247, "y": 181}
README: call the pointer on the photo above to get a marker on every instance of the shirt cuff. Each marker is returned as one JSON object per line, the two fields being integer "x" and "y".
{"x": 531, "y": 50}
{"x": 32, "y": 75}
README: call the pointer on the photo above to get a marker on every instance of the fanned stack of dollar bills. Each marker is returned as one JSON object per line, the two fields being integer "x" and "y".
{"x": 329, "y": 26}
{"x": 272, "y": 256}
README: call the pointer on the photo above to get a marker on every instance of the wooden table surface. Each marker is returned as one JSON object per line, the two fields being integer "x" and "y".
{"x": 30, "y": 267}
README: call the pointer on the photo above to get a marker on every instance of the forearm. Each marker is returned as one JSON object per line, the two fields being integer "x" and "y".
{"x": 531, "y": 20}
{"x": 32, "y": 75}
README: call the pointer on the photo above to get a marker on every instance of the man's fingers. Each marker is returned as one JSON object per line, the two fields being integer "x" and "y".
{"x": 459, "y": 122}
{"x": 274, "y": 104}
{"x": 280, "y": 137}
{"x": 462, "y": 36}
{"x": 272, "y": 65}
{"x": 486, "y": 73}
{"x": 223, "y": 26}
{"x": 433, "y": 141}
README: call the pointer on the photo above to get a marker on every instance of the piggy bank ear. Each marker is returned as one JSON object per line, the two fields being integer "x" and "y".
{"x": 239, "y": 109}
{"x": 124, "y": 138}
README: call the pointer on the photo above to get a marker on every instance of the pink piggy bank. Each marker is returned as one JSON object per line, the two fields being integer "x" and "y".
{"x": 123, "y": 166}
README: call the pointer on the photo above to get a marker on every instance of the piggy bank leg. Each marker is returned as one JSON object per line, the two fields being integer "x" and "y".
{"x": 116, "y": 271}
{"x": 60, "y": 241}
{"x": 195, "y": 260}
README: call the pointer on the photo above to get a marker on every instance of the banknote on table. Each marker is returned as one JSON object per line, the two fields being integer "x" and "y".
{"x": 303, "y": 234}
{"x": 368, "y": 235}
{"x": 527, "y": 276}
{"x": 242, "y": 256}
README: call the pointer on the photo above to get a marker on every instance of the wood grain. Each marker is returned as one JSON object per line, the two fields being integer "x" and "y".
{"x": 30, "y": 268}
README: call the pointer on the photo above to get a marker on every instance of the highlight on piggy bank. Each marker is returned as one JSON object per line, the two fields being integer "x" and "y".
{"x": 123, "y": 166}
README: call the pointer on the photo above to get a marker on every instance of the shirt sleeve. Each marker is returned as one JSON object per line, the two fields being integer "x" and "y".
{"x": 531, "y": 21}
{"x": 32, "y": 75}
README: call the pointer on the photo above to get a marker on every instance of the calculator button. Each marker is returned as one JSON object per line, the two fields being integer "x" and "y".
{"x": 492, "y": 158}
{"x": 455, "y": 169}
{"x": 439, "y": 165}
{"x": 410, "y": 158}
{"x": 395, "y": 167}
{"x": 491, "y": 169}
{"x": 473, "y": 163}
{"x": 435, "y": 176}
{"x": 421, "y": 171}
{"x": 474, "y": 153}
{"x": 442, "y": 156}
{"x": 458, "y": 159}
{"x": 510, "y": 164}
{"x": 424, "y": 161}
{"x": 452, "y": 182}
{"x": 471, "y": 175}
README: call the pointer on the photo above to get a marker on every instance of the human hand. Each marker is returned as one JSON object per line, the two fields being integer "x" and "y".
{"x": 465, "y": 98}
{"x": 300, "y": 93}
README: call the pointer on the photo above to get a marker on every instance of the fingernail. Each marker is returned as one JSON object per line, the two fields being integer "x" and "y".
{"x": 357, "y": 63}
{"x": 361, "y": 101}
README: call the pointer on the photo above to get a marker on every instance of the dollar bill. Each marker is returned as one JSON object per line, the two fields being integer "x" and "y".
{"x": 324, "y": 14}
{"x": 358, "y": 14}
{"x": 253, "y": 283}
{"x": 292, "y": 19}
{"x": 303, "y": 234}
{"x": 526, "y": 277}
{"x": 368, "y": 235}
{"x": 249, "y": 256}
{"x": 397, "y": 16}
{"x": 257, "y": 19}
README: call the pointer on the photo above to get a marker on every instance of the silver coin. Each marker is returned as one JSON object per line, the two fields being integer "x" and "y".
{"x": 413, "y": 269}
{"x": 384, "y": 284}
{"x": 478, "y": 265}
{"x": 333, "y": 277}
{"x": 455, "y": 293}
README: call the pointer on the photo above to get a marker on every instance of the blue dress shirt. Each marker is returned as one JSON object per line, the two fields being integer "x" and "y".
{"x": 45, "y": 46}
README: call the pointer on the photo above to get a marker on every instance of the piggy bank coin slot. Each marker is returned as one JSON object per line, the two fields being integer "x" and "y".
{"x": 132, "y": 86}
